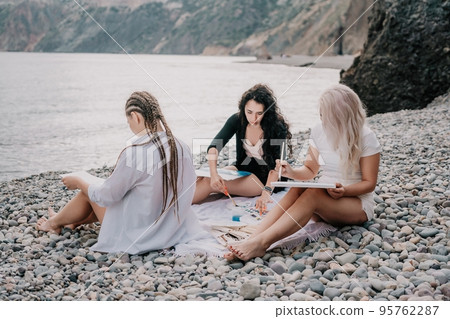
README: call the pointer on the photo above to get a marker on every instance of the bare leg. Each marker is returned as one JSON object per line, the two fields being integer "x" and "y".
{"x": 278, "y": 210}
{"x": 274, "y": 214}
{"x": 248, "y": 186}
{"x": 89, "y": 220}
{"x": 346, "y": 210}
{"x": 202, "y": 189}
{"x": 77, "y": 210}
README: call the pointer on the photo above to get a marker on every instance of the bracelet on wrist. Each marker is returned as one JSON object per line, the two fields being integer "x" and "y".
{"x": 268, "y": 189}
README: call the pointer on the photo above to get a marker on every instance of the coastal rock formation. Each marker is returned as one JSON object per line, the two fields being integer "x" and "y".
{"x": 254, "y": 27}
{"x": 405, "y": 62}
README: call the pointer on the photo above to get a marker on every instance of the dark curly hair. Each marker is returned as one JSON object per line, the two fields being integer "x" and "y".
{"x": 273, "y": 123}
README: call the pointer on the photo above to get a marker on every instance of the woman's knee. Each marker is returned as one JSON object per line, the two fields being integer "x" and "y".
{"x": 256, "y": 181}
{"x": 83, "y": 196}
{"x": 314, "y": 194}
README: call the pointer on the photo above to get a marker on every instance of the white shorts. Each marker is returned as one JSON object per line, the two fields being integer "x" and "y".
{"x": 368, "y": 204}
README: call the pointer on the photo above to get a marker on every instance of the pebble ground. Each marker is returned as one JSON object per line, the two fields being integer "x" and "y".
{"x": 402, "y": 254}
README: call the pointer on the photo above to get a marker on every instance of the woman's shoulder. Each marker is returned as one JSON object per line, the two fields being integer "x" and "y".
{"x": 234, "y": 118}
{"x": 233, "y": 122}
{"x": 367, "y": 133}
{"x": 371, "y": 145}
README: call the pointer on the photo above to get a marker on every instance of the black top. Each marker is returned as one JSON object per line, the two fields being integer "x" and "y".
{"x": 234, "y": 126}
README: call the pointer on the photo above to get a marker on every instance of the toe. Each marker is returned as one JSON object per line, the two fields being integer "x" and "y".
{"x": 228, "y": 256}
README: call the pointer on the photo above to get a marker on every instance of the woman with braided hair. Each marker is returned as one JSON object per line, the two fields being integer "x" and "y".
{"x": 146, "y": 202}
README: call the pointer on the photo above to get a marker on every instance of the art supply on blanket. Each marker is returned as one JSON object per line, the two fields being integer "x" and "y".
{"x": 281, "y": 158}
{"x": 245, "y": 213}
{"x": 237, "y": 212}
{"x": 230, "y": 234}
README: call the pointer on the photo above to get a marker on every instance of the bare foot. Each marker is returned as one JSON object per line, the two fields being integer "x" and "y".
{"x": 52, "y": 213}
{"x": 229, "y": 256}
{"x": 246, "y": 250}
{"x": 45, "y": 224}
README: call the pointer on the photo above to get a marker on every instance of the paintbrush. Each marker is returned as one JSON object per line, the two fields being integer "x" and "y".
{"x": 281, "y": 158}
{"x": 228, "y": 194}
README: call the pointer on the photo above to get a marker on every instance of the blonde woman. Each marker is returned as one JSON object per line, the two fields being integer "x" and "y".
{"x": 146, "y": 202}
{"x": 350, "y": 155}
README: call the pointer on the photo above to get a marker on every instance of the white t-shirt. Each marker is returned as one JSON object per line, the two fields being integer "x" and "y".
{"x": 329, "y": 162}
{"x": 329, "y": 159}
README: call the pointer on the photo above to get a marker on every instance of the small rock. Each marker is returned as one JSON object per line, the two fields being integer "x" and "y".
{"x": 279, "y": 267}
{"x": 296, "y": 266}
{"x": 346, "y": 258}
{"x": 317, "y": 286}
{"x": 428, "y": 232}
{"x": 250, "y": 291}
{"x": 325, "y": 255}
{"x": 22, "y": 220}
{"x": 331, "y": 293}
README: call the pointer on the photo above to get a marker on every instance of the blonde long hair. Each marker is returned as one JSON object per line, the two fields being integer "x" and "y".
{"x": 343, "y": 118}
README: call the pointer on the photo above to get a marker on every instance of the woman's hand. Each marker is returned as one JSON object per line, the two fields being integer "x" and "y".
{"x": 218, "y": 184}
{"x": 337, "y": 192}
{"x": 71, "y": 182}
{"x": 261, "y": 202}
{"x": 286, "y": 168}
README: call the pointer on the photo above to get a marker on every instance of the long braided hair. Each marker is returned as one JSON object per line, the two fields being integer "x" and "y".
{"x": 147, "y": 105}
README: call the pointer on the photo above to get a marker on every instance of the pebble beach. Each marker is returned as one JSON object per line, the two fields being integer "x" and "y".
{"x": 402, "y": 254}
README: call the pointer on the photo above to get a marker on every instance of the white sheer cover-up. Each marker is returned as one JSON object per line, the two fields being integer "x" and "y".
{"x": 133, "y": 197}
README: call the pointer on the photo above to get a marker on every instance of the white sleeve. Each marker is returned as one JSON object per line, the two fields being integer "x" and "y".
{"x": 123, "y": 178}
{"x": 371, "y": 145}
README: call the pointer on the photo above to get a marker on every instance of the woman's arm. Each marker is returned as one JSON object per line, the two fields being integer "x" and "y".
{"x": 122, "y": 179}
{"x": 219, "y": 141}
{"x": 217, "y": 183}
{"x": 261, "y": 202}
{"x": 75, "y": 182}
{"x": 306, "y": 172}
{"x": 225, "y": 134}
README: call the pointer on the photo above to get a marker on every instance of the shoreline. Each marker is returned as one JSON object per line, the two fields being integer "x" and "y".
{"x": 402, "y": 254}
{"x": 338, "y": 62}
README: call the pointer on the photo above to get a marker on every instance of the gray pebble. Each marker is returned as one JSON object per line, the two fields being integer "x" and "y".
{"x": 331, "y": 293}
{"x": 279, "y": 267}
{"x": 250, "y": 291}
{"x": 317, "y": 286}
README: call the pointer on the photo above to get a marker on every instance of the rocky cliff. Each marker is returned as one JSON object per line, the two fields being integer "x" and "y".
{"x": 252, "y": 27}
{"x": 405, "y": 62}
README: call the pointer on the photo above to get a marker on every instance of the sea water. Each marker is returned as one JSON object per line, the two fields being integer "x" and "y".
{"x": 61, "y": 111}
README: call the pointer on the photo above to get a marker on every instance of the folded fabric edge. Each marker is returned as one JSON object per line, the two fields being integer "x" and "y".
{"x": 303, "y": 234}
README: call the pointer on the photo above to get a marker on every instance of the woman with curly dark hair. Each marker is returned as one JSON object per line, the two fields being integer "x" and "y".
{"x": 260, "y": 131}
